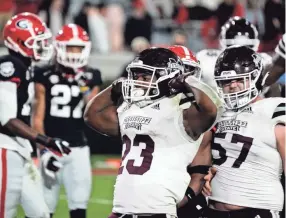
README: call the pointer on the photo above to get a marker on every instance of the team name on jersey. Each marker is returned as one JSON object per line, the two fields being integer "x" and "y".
{"x": 136, "y": 122}
{"x": 233, "y": 125}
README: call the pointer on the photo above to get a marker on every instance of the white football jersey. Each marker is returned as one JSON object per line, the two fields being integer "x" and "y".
{"x": 156, "y": 151}
{"x": 245, "y": 154}
{"x": 208, "y": 57}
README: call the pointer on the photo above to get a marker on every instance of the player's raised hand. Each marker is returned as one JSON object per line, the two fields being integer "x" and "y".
{"x": 116, "y": 90}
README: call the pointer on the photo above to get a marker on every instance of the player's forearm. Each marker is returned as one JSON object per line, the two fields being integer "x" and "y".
{"x": 274, "y": 75}
{"x": 100, "y": 113}
{"x": 19, "y": 128}
{"x": 39, "y": 127}
{"x": 206, "y": 98}
{"x": 277, "y": 69}
{"x": 197, "y": 183}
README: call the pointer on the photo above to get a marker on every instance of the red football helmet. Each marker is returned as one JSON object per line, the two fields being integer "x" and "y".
{"x": 191, "y": 63}
{"x": 28, "y": 35}
{"x": 72, "y": 35}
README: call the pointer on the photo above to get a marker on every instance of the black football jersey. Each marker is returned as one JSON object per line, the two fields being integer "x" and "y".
{"x": 15, "y": 70}
{"x": 64, "y": 103}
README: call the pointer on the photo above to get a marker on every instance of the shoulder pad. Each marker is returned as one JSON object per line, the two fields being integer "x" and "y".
{"x": 274, "y": 108}
{"x": 41, "y": 73}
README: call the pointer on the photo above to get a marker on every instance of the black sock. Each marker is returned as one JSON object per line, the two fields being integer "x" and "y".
{"x": 78, "y": 213}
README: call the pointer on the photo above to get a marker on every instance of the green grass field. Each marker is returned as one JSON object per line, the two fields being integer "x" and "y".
{"x": 100, "y": 203}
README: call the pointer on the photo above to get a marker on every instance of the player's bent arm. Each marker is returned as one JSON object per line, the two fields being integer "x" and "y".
{"x": 38, "y": 108}
{"x": 281, "y": 143}
{"x": 201, "y": 116}
{"x": 201, "y": 164}
{"x": 9, "y": 120}
{"x": 198, "y": 169}
{"x": 100, "y": 114}
{"x": 276, "y": 70}
{"x": 8, "y": 112}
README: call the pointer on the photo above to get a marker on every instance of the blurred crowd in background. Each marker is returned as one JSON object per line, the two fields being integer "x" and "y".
{"x": 118, "y": 25}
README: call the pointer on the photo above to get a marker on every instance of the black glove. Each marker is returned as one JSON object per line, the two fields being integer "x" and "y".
{"x": 56, "y": 145}
{"x": 194, "y": 206}
{"x": 177, "y": 84}
{"x": 116, "y": 91}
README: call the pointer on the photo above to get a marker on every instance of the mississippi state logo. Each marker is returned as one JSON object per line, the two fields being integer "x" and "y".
{"x": 23, "y": 24}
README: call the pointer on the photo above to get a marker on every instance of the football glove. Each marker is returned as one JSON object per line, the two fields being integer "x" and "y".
{"x": 116, "y": 91}
{"x": 56, "y": 145}
{"x": 50, "y": 165}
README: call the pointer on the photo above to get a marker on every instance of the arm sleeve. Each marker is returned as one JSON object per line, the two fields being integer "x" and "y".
{"x": 8, "y": 101}
{"x": 280, "y": 48}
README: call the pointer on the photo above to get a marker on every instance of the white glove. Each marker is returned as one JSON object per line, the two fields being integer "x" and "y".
{"x": 50, "y": 165}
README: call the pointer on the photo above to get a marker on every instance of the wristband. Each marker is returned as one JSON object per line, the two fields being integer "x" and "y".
{"x": 190, "y": 194}
{"x": 42, "y": 139}
{"x": 201, "y": 169}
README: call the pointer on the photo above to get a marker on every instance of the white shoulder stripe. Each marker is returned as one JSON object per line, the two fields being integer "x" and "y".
{"x": 280, "y": 48}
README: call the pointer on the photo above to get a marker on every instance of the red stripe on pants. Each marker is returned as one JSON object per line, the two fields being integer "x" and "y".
{"x": 4, "y": 182}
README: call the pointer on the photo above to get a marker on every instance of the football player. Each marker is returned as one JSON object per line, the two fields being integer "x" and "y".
{"x": 61, "y": 91}
{"x": 161, "y": 133}
{"x": 248, "y": 142}
{"x": 236, "y": 31}
{"x": 27, "y": 40}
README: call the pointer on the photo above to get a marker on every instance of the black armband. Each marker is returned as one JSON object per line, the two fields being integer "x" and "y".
{"x": 42, "y": 139}
{"x": 201, "y": 169}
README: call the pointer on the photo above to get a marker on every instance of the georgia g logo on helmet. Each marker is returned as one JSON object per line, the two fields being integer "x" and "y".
{"x": 23, "y": 24}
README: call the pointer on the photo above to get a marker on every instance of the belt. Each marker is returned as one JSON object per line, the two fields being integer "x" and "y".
{"x": 119, "y": 215}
